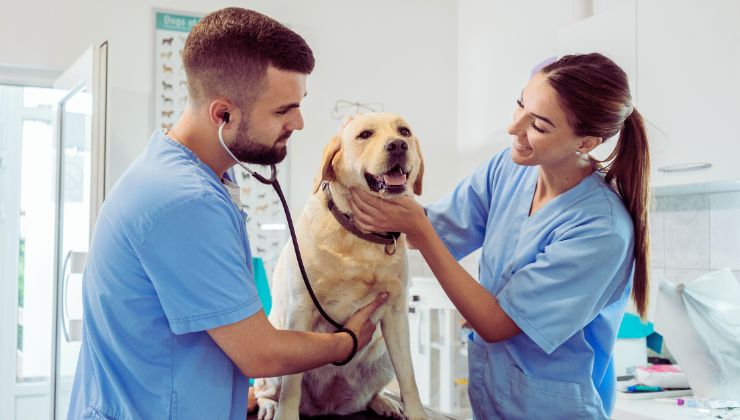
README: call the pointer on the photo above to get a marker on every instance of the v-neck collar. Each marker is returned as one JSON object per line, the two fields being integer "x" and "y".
{"x": 562, "y": 199}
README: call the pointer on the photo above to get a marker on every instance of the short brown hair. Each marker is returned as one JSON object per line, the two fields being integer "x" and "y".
{"x": 227, "y": 54}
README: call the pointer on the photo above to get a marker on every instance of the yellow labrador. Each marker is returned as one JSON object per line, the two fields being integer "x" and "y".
{"x": 379, "y": 153}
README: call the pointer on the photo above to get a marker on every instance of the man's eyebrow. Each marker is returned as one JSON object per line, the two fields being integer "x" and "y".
{"x": 292, "y": 105}
{"x": 289, "y": 106}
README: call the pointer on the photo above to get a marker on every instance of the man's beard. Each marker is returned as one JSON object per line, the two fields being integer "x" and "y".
{"x": 249, "y": 151}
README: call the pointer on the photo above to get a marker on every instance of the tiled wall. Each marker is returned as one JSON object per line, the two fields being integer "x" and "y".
{"x": 689, "y": 236}
{"x": 693, "y": 234}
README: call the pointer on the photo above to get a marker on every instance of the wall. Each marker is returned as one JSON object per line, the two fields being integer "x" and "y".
{"x": 499, "y": 42}
{"x": 402, "y": 54}
{"x": 693, "y": 234}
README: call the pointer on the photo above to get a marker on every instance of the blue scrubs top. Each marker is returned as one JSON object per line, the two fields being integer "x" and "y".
{"x": 563, "y": 275}
{"x": 169, "y": 259}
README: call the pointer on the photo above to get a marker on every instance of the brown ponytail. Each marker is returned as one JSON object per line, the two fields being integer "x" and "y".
{"x": 595, "y": 94}
{"x": 629, "y": 172}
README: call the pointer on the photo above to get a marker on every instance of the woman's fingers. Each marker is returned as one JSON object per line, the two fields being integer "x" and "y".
{"x": 373, "y": 213}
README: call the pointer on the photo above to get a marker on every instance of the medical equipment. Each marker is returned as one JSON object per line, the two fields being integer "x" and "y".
{"x": 700, "y": 321}
{"x": 272, "y": 180}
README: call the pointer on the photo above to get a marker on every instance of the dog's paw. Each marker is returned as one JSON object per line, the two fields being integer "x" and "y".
{"x": 268, "y": 408}
{"x": 385, "y": 406}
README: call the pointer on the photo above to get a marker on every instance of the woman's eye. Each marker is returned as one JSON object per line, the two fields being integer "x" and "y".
{"x": 404, "y": 131}
{"x": 519, "y": 103}
{"x": 365, "y": 134}
{"x": 539, "y": 130}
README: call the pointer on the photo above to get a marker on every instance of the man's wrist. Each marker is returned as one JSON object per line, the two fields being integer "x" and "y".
{"x": 354, "y": 349}
{"x": 344, "y": 344}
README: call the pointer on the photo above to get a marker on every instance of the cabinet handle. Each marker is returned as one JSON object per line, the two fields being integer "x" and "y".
{"x": 685, "y": 167}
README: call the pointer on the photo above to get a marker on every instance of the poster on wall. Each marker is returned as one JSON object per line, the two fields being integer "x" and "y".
{"x": 265, "y": 220}
{"x": 170, "y": 84}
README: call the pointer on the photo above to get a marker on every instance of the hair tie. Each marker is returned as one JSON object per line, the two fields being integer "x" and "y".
{"x": 630, "y": 110}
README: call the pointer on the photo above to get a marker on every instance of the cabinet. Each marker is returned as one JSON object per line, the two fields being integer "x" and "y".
{"x": 688, "y": 81}
{"x": 683, "y": 62}
{"x": 438, "y": 348}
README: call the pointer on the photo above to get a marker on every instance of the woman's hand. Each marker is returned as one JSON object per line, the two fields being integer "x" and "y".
{"x": 375, "y": 214}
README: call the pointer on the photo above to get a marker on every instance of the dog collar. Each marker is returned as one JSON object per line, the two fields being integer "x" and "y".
{"x": 388, "y": 239}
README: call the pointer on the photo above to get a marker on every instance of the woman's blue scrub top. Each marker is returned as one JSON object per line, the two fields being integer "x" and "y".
{"x": 563, "y": 275}
{"x": 168, "y": 261}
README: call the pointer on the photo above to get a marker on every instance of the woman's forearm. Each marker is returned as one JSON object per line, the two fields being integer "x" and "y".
{"x": 476, "y": 304}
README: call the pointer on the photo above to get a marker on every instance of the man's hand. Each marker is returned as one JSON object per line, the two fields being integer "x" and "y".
{"x": 361, "y": 325}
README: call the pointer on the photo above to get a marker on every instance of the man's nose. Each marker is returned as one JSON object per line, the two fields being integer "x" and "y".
{"x": 397, "y": 147}
{"x": 297, "y": 121}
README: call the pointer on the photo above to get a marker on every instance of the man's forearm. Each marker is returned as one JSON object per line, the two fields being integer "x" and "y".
{"x": 291, "y": 352}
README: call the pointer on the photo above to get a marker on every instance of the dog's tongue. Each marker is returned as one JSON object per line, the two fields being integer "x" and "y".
{"x": 394, "y": 178}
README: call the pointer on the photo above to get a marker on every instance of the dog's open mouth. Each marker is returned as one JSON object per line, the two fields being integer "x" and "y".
{"x": 391, "y": 182}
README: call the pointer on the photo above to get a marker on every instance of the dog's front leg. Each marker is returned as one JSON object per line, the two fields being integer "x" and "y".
{"x": 290, "y": 392}
{"x": 395, "y": 328}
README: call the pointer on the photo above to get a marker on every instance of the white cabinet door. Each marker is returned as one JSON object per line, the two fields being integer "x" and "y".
{"x": 688, "y": 81}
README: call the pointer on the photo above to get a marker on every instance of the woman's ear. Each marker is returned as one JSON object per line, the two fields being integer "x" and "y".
{"x": 588, "y": 143}
{"x": 326, "y": 171}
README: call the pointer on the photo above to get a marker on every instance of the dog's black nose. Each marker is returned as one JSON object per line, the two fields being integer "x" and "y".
{"x": 397, "y": 147}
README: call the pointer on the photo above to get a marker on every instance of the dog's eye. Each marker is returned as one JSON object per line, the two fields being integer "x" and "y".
{"x": 365, "y": 134}
{"x": 404, "y": 131}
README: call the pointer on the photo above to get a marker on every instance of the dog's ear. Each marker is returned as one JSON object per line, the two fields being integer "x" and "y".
{"x": 420, "y": 175}
{"x": 326, "y": 172}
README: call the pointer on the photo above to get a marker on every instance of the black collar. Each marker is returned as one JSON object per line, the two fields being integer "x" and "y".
{"x": 388, "y": 239}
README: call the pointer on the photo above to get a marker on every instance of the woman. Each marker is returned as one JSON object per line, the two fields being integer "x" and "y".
{"x": 563, "y": 240}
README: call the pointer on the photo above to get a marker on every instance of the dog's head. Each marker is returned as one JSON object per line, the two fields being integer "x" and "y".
{"x": 377, "y": 152}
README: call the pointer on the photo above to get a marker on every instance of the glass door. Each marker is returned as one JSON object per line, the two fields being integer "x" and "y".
{"x": 80, "y": 178}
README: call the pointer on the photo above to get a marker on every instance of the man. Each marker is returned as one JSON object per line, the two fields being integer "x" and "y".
{"x": 173, "y": 324}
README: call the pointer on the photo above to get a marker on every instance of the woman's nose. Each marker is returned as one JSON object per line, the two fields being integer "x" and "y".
{"x": 516, "y": 127}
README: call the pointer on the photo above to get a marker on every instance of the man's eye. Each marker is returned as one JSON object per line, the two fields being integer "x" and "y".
{"x": 404, "y": 131}
{"x": 365, "y": 134}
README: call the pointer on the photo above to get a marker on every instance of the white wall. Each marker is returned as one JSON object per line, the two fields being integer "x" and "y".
{"x": 499, "y": 43}
{"x": 400, "y": 53}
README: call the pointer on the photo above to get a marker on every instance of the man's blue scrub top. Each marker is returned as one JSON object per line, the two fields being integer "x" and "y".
{"x": 169, "y": 259}
{"x": 563, "y": 275}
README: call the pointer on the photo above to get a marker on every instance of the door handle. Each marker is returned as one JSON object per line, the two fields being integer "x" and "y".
{"x": 77, "y": 266}
{"x": 685, "y": 167}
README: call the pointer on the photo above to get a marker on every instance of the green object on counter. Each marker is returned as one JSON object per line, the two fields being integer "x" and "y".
{"x": 263, "y": 288}
{"x": 633, "y": 327}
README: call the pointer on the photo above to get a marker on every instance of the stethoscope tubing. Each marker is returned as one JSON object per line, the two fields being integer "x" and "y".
{"x": 273, "y": 181}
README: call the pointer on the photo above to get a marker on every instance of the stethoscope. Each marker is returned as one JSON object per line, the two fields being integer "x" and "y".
{"x": 272, "y": 180}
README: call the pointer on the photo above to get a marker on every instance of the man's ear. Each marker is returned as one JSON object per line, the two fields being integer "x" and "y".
{"x": 326, "y": 172}
{"x": 420, "y": 175}
{"x": 219, "y": 108}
